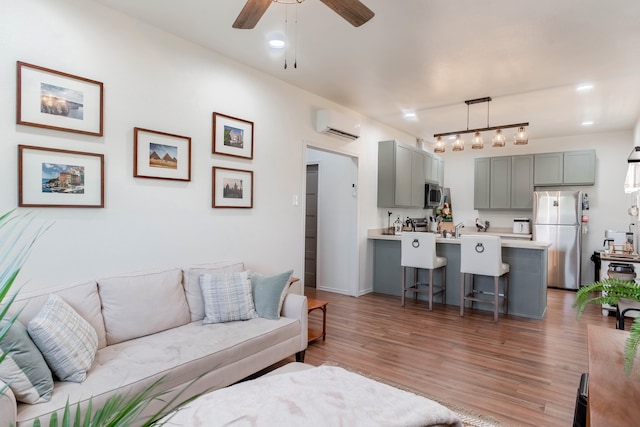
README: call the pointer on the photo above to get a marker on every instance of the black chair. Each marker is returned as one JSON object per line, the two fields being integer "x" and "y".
{"x": 626, "y": 307}
{"x": 580, "y": 412}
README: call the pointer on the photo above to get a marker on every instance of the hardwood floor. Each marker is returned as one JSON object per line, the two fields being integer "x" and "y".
{"x": 522, "y": 372}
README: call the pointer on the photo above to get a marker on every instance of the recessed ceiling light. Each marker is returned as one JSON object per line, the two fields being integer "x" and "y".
{"x": 410, "y": 115}
{"x": 587, "y": 123}
{"x": 584, "y": 87}
{"x": 276, "y": 43}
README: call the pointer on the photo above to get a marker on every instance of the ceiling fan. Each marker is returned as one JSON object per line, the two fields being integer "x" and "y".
{"x": 354, "y": 11}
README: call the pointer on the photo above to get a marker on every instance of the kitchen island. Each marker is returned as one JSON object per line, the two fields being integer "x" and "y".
{"x": 527, "y": 275}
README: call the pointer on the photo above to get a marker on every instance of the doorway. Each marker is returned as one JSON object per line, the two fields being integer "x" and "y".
{"x": 332, "y": 210}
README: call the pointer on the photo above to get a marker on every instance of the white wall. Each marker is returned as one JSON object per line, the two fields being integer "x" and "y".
{"x": 608, "y": 202}
{"x": 157, "y": 81}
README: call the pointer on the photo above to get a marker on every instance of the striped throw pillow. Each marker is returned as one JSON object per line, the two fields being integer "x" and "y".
{"x": 67, "y": 341}
{"x": 227, "y": 297}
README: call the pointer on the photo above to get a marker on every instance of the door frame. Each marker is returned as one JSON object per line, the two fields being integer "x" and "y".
{"x": 353, "y": 279}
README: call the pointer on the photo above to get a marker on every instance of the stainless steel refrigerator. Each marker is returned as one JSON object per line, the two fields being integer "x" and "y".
{"x": 557, "y": 219}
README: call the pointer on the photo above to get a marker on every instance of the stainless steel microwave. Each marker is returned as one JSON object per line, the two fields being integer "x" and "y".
{"x": 432, "y": 195}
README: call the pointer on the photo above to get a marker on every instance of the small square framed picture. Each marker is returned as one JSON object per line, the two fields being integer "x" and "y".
{"x": 161, "y": 155}
{"x": 232, "y": 136}
{"x": 55, "y": 100}
{"x": 232, "y": 188}
{"x": 50, "y": 177}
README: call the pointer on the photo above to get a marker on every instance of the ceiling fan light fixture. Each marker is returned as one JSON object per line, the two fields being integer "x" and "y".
{"x": 439, "y": 147}
{"x": 477, "y": 143}
{"x": 458, "y": 145}
{"x": 521, "y": 137}
{"x": 498, "y": 140}
{"x": 277, "y": 43}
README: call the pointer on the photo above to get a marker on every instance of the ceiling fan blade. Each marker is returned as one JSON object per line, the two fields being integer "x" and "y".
{"x": 251, "y": 14}
{"x": 354, "y": 11}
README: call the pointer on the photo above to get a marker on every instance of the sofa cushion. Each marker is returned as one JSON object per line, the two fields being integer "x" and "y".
{"x": 67, "y": 341}
{"x": 23, "y": 367}
{"x": 191, "y": 281}
{"x": 142, "y": 303}
{"x": 82, "y": 297}
{"x": 269, "y": 293}
{"x": 227, "y": 297}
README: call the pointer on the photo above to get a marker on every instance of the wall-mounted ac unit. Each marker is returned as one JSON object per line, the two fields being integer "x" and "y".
{"x": 336, "y": 124}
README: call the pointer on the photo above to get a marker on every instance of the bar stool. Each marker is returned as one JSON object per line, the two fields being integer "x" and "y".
{"x": 418, "y": 251}
{"x": 482, "y": 255}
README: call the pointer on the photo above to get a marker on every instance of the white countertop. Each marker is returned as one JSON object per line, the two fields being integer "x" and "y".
{"x": 376, "y": 234}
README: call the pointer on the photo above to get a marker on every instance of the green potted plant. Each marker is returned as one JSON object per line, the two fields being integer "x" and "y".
{"x": 16, "y": 241}
{"x": 610, "y": 291}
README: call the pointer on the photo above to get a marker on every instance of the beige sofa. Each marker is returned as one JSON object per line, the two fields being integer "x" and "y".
{"x": 150, "y": 326}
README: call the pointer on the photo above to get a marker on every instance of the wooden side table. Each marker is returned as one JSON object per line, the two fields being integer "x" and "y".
{"x": 315, "y": 304}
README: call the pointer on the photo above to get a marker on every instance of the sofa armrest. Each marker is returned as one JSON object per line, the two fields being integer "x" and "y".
{"x": 295, "y": 307}
{"x": 8, "y": 406}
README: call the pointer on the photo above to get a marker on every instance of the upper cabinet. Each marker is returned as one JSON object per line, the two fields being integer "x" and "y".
{"x": 565, "y": 168}
{"x": 401, "y": 175}
{"x": 503, "y": 182}
{"x": 434, "y": 168}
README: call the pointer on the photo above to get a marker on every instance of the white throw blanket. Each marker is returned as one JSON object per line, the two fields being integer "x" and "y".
{"x": 322, "y": 396}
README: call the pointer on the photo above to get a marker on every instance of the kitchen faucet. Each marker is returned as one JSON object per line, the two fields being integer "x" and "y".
{"x": 456, "y": 232}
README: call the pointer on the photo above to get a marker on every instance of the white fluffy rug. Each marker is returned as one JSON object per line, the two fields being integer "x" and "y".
{"x": 321, "y": 396}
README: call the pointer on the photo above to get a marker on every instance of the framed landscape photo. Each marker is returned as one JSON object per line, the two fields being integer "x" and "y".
{"x": 49, "y": 177}
{"x": 232, "y": 188}
{"x": 232, "y": 136}
{"x": 54, "y": 100}
{"x": 161, "y": 155}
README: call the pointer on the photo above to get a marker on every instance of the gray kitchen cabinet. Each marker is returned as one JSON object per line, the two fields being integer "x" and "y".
{"x": 428, "y": 166}
{"x": 503, "y": 182}
{"x": 500, "y": 183}
{"x": 417, "y": 178}
{"x": 565, "y": 168}
{"x": 522, "y": 182}
{"x": 401, "y": 175}
{"x": 579, "y": 167}
{"x": 548, "y": 168}
{"x": 482, "y": 181}
{"x": 440, "y": 162}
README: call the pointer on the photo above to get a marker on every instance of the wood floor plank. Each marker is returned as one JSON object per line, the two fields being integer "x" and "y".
{"x": 523, "y": 372}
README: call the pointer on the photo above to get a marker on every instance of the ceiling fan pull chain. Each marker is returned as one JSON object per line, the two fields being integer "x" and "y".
{"x": 295, "y": 41}
{"x": 286, "y": 33}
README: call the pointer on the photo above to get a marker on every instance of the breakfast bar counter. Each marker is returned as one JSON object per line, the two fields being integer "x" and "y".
{"x": 527, "y": 275}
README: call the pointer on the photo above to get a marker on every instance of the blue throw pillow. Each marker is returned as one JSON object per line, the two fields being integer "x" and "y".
{"x": 269, "y": 293}
{"x": 23, "y": 367}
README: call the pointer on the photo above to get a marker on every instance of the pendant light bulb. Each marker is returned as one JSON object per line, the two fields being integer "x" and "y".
{"x": 521, "y": 137}
{"x": 458, "y": 145}
{"x": 477, "y": 143}
{"x": 498, "y": 140}
{"x": 439, "y": 148}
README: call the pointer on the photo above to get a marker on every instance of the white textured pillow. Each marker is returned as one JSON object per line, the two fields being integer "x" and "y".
{"x": 227, "y": 297}
{"x": 67, "y": 341}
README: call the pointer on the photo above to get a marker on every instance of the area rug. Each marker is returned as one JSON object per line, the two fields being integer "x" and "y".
{"x": 319, "y": 396}
{"x": 467, "y": 417}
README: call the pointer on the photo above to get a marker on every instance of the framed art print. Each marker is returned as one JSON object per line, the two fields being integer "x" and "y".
{"x": 56, "y": 100}
{"x": 49, "y": 177}
{"x": 232, "y": 136}
{"x": 161, "y": 155}
{"x": 232, "y": 188}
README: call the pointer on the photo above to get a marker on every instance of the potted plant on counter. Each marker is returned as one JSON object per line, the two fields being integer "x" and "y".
{"x": 611, "y": 291}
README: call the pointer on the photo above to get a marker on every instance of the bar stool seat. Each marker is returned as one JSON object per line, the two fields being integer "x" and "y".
{"x": 482, "y": 255}
{"x": 418, "y": 251}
